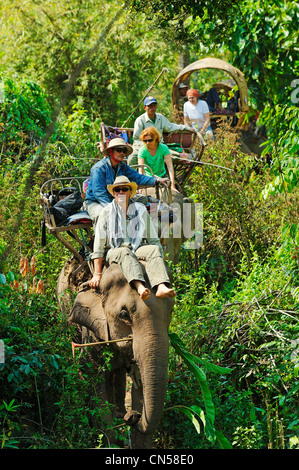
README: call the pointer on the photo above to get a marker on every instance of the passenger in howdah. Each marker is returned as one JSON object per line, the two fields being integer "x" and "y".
{"x": 156, "y": 155}
{"x": 153, "y": 119}
{"x": 104, "y": 173}
{"x": 196, "y": 113}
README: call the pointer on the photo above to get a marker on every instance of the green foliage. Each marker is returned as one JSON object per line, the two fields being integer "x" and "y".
{"x": 178, "y": 17}
{"x": 24, "y": 116}
{"x": 254, "y": 332}
{"x": 56, "y": 37}
{"x": 195, "y": 412}
{"x": 236, "y": 220}
{"x": 283, "y": 145}
{"x": 44, "y": 403}
{"x": 25, "y": 108}
{"x": 237, "y": 303}
{"x": 264, "y": 38}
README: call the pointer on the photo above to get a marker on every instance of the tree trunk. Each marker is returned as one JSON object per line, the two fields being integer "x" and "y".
{"x": 183, "y": 59}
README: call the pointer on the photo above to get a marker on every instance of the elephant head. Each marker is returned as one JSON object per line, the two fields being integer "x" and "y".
{"x": 117, "y": 312}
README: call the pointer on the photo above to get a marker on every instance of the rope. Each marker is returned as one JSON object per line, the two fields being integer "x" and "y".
{"x": 76, "y": 345}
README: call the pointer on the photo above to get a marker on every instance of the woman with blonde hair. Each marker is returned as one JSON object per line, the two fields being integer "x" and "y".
{"x": 156, "y": 155}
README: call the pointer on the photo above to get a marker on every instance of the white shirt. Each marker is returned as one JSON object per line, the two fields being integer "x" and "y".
{"x": 196, "y": 113}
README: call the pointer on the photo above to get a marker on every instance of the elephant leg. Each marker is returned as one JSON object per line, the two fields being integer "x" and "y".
{"x": 136, "y": 388}
{"x": 119, "y": 386}
{"x": 137, "y": 398}
{"x": 134, "y": 415}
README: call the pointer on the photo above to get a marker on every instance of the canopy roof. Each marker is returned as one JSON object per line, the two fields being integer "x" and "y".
{"x": 225, "y": 85}
{"x": 212, "y": 63}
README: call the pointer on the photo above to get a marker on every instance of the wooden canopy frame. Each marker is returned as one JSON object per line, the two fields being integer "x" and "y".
{"x": 213, "y": 63}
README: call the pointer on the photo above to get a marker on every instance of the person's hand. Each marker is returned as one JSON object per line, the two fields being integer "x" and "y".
{"x": 95, "y": 281}
{"x": 173, "y": 188}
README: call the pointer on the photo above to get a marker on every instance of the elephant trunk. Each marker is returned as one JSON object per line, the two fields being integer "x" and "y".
{"x": 151, "y": 351}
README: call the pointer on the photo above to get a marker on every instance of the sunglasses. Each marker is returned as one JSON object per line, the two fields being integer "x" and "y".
{"x": 121, "y": 149}
{"x": 123, "y": 189}
{"x": 148, "y": 140}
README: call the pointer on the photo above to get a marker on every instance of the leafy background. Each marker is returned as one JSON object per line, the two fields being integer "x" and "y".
{"x": 233, "y": 372}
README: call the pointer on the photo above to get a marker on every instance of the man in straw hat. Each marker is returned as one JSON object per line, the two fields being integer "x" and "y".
{"x": 126, "y": 228}
{"x": 104, "y": 173}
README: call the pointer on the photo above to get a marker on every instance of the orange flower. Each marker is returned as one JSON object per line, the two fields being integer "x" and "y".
{"x": 40, "y": 287}
{"x": 33, "y": 265}
{"x": 24, "y": 266}
{"x": 26, "y": 269}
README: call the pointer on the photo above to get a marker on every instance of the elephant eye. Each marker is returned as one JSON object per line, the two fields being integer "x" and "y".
{"x": 124, "y": 315}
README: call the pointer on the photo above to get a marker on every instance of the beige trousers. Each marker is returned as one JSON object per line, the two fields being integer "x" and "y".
{"x": 131, "y": 268}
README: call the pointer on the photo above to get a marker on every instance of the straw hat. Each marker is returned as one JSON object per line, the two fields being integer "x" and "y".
{"x": 117, "y": 142}
{"x": 122, "y": 181}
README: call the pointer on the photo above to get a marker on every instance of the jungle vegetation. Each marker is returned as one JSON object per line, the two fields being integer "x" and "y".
{"x": 68, "y": 66}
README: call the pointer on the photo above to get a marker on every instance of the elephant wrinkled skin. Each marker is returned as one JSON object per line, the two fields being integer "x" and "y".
{"x": 116, "y": 312}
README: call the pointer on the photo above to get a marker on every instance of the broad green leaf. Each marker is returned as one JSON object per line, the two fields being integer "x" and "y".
{"x": 188, "y": 412}
{"x": 178, "y": 345}
{"x": 223, "y": 441}
{"x": 10, "y": 276}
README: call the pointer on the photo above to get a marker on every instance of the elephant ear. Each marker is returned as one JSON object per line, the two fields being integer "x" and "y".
{"x": 88, "y": 311}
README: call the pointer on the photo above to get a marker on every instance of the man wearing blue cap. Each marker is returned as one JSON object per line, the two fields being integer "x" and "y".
{"x": 153, "y": 119}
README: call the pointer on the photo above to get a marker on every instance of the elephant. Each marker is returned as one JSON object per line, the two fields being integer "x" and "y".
{"x": 116, "y": 312}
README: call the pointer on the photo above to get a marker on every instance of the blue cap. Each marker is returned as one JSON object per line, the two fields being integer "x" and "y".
{"x": 149, "y": 100}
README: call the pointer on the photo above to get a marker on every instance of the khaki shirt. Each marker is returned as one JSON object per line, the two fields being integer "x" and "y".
{"x": 161, "y": 123}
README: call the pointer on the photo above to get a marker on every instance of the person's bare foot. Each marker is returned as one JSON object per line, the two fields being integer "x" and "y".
{"x": 143, "y": 291}
{"x": 164, "y": 291}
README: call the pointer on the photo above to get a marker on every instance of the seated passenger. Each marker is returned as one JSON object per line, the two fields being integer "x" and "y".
{"x": 213, "y": 100}
{"x": 183, "y": 88}
{"x": 104, "y": 173}
{"x": 155, "y": 155}
{"x": 126, "y": 228}
{"x": 153, "y": 119}
{"x": 196, "y": 113}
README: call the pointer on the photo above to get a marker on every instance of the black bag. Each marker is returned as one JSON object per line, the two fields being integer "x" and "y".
{"x": 69, "y": 205}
